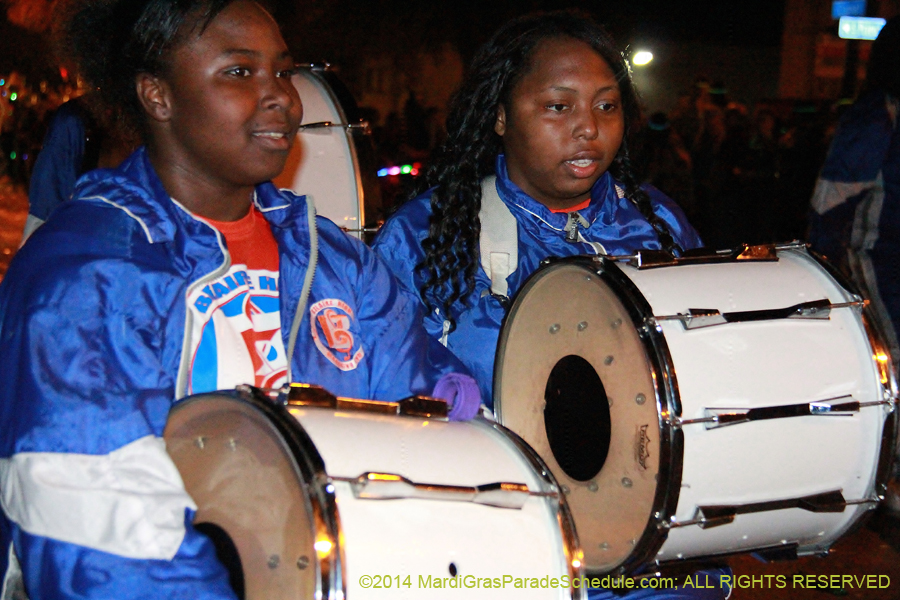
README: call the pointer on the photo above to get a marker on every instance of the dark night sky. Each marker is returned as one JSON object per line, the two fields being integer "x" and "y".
{"x": 343, "y": 30}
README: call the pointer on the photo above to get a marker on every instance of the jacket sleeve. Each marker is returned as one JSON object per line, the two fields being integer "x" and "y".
{"x": 94, "y": 505}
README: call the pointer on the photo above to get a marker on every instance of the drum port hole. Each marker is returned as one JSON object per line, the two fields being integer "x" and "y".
{"x": 576, "y": 418}
{"x": 227, "y": 553}
{"x": 453, "y": 570}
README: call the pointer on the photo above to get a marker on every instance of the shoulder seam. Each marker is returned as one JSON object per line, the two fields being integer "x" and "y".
{"x": 127, "y": 212}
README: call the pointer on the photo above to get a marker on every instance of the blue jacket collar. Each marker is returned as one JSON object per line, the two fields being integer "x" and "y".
{"x": 603, "y": 206}
{"x": 135, "y": 187}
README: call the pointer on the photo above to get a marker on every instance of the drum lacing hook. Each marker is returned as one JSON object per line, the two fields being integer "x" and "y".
{"x": 503, "y": 300}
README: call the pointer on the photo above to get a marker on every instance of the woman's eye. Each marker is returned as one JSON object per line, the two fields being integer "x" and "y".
{"x": 606, "y": 106}
{"x": 287, "y": 73}
{"x": 238, "y": 71}
{"x": 557, "y": 107}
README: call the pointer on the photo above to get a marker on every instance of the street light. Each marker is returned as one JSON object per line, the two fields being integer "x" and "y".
{"x": 641, "y": 58}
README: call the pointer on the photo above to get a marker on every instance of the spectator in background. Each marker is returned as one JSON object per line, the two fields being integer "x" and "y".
{"x": 77, "y": 141}
{"x": 855, "y": 219}
{"x": 663, "y": 161}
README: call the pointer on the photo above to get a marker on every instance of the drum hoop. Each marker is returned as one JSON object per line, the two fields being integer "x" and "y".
{"x": 889, "y": 388}
{"x": 666, "y": 393}
{"x": 330, "y": 578}
{"x": 320, "y": 72}
{"x": 565, "y": 520}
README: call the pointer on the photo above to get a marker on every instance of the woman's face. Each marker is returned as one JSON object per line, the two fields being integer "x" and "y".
{"x": 233, "y": 112}
{"x": 564, "y": 123}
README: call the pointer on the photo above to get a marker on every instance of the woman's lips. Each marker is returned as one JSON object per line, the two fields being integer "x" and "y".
{"x": 582, "y": 167}
{"x": 277, "y": 140}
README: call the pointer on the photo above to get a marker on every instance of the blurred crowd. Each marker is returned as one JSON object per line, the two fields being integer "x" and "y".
{"x": 25, "y": 110}
{"x": 741, "y": 173}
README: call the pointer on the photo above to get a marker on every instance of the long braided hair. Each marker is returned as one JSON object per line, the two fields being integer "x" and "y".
{"x": 471, "y": 148}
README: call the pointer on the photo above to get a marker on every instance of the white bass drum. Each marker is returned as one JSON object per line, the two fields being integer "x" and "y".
{"x": 310, "y": 496}
{"x": 732, "y": 402}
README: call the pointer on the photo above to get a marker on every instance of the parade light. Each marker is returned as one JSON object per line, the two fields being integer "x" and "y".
{"x": 412, "y": 169}
{"x": 641, "y": 58}
{"x": 13, "y": 96}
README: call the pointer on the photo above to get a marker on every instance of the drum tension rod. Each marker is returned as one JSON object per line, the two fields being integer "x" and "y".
{"x": 839, "y": 406}
{"x": 389, "y": 486}
{"x": 714, "y": 516}
{"x": 695, "y": 318}
{"x": 362, "y": 125}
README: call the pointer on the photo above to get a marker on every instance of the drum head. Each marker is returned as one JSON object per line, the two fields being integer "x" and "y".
{"x": 573, "y": 379}
{"x": 251, "y": 499}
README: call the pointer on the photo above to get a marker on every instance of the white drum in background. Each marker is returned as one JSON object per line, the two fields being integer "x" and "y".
{"x": 714, "y": 405}
{"x": 310, "y": 495}
{"x": 325, "y": 161}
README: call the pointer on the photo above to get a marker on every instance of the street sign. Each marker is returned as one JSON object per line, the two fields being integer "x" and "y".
{"x": 859, "y": 28}
{"x": 848, "y": 8}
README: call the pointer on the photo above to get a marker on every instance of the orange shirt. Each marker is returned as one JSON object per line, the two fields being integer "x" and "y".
{"x": 237, "y": 315}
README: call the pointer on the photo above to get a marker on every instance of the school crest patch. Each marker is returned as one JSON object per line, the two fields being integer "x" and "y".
{"x": 330, "y": 321}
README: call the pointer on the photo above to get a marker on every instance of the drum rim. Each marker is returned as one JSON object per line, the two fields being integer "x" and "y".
{"x": 565, "y": 519}
{"x": 891, "y": 431}
{"x": 311, "y": 468}
{"x": 666, "y": 394}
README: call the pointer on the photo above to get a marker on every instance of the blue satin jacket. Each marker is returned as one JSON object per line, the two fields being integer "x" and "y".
{"x": 613, "y": 222}
{"x": 93, "y": 322}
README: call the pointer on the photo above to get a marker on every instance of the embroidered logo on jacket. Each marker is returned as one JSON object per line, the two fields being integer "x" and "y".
{"x": 330, "y": 321}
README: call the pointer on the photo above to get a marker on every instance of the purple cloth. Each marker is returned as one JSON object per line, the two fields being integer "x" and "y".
{"x": 461, "y": 393}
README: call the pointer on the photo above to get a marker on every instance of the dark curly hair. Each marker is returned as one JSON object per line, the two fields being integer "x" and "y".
{"x": 110, "y": 42}
{"x": 471, "y": 147}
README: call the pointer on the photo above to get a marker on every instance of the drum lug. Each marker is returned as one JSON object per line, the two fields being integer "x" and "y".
{"x": 390, "y": 486}
{"x": 778, "y": 553}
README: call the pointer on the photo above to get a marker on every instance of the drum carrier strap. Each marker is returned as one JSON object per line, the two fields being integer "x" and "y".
{"x": 499, "y": 240}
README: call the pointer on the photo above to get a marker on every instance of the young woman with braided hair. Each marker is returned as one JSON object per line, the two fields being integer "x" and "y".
{"x": 537, "y": 134}
{"x": 547, "y": 109}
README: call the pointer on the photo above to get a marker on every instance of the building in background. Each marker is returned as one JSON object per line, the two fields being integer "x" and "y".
{"x": 814, "y": 60}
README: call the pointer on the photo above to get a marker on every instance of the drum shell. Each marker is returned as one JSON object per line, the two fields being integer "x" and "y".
{"x": 423, "y": 537}
{"x": 759, "y": 364}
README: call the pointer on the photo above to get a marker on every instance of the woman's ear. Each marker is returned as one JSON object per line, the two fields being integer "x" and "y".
{"x": 500, "y": 123}
{"x": 153, "y": 94}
